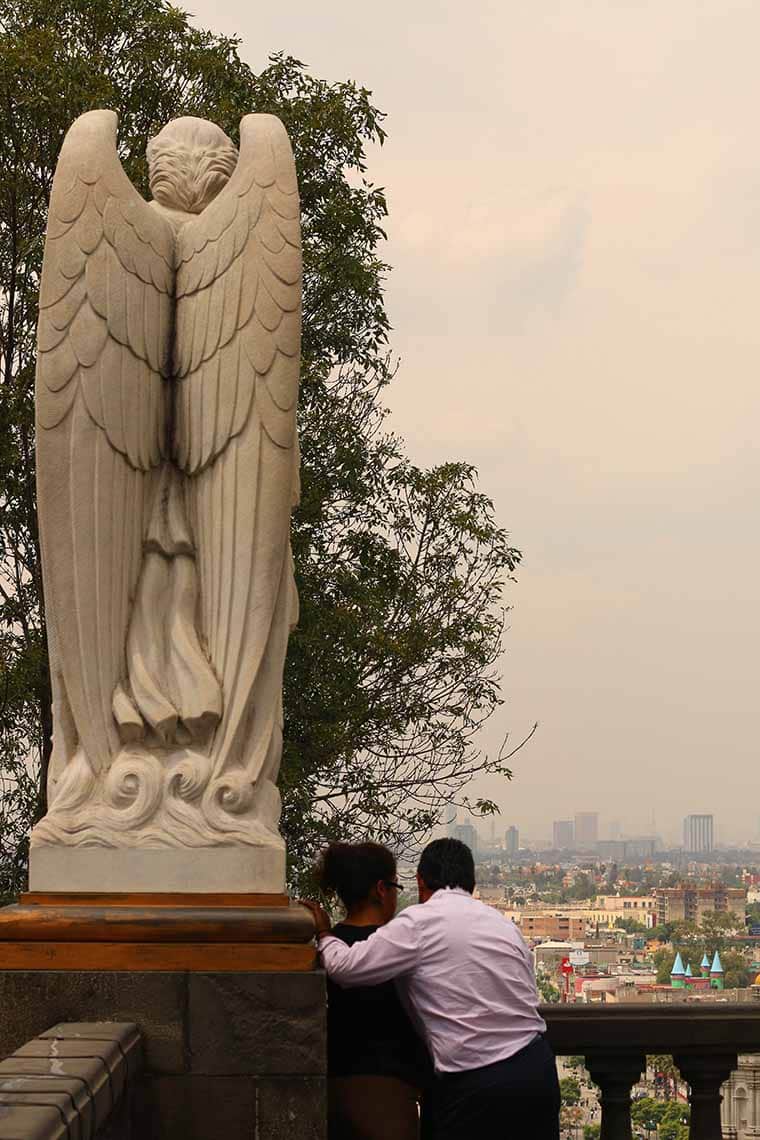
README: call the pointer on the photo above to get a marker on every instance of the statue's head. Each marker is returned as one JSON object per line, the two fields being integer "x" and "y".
{"x": 189, "y": 162}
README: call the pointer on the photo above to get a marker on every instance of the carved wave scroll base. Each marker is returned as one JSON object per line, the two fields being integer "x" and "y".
{"x": 158, "y": 822}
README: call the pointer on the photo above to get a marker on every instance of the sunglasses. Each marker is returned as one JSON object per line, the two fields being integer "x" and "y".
{"x": 393, "y": 883}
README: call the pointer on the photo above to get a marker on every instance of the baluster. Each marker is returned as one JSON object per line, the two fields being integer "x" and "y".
{"x": 616, "y": 1074}
{"x": 705, "y": 1073}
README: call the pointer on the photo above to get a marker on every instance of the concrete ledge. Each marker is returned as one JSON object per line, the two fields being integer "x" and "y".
{"x": 68, "y": 1082}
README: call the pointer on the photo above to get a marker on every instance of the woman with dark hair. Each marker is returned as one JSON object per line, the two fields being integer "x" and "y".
{"x": 377, "y": 1065}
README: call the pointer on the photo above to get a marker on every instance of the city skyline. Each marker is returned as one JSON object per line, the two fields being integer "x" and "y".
{"x": 561, "y": 835}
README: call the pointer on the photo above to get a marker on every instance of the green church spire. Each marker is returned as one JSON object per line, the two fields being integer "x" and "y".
{"x": 717, "y": 981}
{"x": 677, "y": 974}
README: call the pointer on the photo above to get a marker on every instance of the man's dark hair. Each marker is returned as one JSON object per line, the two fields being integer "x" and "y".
{"x": 447, "y": 863}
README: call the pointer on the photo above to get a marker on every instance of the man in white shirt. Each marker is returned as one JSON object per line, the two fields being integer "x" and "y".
{"x": 468, "y": 978}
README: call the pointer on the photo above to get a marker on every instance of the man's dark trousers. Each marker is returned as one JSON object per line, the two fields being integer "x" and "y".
{"x": 516, "y": 1099}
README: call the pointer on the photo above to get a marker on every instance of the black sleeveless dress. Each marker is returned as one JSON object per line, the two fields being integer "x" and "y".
{"x": 368, "y": 1029}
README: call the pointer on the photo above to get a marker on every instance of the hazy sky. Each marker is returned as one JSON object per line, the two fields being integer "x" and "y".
{"x": 574, "y": 193}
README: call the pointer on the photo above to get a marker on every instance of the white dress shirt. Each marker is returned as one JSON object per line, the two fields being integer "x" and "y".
{"x": 464, "y": 970}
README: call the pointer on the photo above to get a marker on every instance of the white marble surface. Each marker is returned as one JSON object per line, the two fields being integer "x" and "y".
{"x": 167, "y": 467}
{"x": 203, "y": 870}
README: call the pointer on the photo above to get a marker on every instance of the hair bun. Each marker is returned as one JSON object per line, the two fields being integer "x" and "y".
{"x": 334, "y": 866}
{"x": 353, "y": 869}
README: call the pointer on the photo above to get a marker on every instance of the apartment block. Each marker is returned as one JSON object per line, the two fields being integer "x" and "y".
{"x": 690, "y": 904}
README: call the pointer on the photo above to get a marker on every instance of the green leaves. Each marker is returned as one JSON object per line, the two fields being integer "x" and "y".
{"x": 404, "y": 603}
{"x": 547, "y": 991}
{"x": 648, "y": 1112}
{"x": 570, "y": 1090}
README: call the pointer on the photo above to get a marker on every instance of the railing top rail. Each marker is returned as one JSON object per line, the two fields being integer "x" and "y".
{"x": 653, "y": 1028}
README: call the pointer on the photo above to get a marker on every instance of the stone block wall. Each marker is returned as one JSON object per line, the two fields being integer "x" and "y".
{"x": 234, "y": 1055}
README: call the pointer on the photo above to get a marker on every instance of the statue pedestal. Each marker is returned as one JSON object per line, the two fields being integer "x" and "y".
{"x": 222, "y": 986}
{"x": 200, "y": 871}
{"x": 168, "y": 931}
{"x": 232, "y": 1055}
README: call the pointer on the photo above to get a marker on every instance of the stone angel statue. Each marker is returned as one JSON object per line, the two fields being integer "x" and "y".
{"x": 167, "y": 469}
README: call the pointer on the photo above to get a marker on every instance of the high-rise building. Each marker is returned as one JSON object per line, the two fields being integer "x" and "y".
{"x": 698, "y": 834}
{"x": 611, "y": 850}
{"x": 586, "y": 829}
{"x": 511, "y": 841}
{"x": 641, "y": 846}
{"x": 466, "y": 833}
{"x": 562, "y": 834}
{"x": 448, "y": 818}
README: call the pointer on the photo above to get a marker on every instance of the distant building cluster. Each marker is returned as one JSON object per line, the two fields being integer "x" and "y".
{"x": 621, "y": 920}
{"x": 581, "y": 834}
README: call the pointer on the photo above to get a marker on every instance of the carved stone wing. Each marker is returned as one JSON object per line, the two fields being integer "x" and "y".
{"x": 237, "y": 352}
{"x": 239, "y": 302}
{"x": 104, "y": 349}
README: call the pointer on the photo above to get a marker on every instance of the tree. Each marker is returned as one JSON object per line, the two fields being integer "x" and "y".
{"x": 630, "y": 926}
{"x": 674, "y": 1124}
{"x": 663, "y": 963}
{"x": 716, "y": 927}
{"x": 737, "y": 969}
{"x": 570, "y": 1118}
{"x": 584, "y": 887}
{"x": 665, "y": 1070}
{"x": 401, "y": 571}
{"x": 548, "y": 992}
{"x": 570, "y": 1090}
{"x": 647, "y": 1112}
{"x": 591, "y": 1131}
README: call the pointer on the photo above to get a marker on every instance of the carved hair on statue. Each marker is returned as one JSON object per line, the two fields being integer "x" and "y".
{"x": 353, "y": 869}
{"x": 190, "y": 161}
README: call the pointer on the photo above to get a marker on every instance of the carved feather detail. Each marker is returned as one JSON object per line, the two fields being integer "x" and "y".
{"x": 103, "y": 352}
{"x": 237, "y": 351}
{"x": 238, "y": 294}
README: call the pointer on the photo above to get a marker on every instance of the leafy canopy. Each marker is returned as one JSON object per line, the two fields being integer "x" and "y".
{"x": 570, "y": 1090}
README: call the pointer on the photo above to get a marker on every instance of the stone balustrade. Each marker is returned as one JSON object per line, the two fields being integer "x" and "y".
{"x": 704, "y": 1041}
{"x": 73, "y": 1082}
